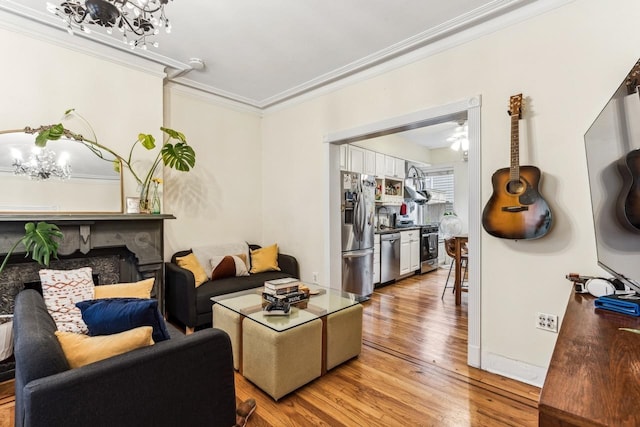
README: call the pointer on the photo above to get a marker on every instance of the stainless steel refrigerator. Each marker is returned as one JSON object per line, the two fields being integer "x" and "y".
{"x": 358, "y": 209}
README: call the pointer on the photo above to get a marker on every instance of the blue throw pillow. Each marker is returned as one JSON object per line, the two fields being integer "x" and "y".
{"x": 109, "y": 316}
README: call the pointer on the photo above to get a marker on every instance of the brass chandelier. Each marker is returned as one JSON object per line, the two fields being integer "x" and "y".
{"x": 138, "y": 20}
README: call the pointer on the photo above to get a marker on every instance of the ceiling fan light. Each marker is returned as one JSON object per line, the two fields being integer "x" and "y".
{"x": 464, "y": 144}
{"x": 456, "y": 145}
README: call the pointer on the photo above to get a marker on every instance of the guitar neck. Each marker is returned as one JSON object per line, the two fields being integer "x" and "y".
{"x": 514, "y": 171}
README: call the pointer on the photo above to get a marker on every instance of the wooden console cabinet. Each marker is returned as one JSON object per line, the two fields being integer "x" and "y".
{"x": 594, "y": 375}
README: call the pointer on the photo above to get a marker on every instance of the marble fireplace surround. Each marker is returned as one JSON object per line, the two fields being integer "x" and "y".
{"x": 118, "y": 247}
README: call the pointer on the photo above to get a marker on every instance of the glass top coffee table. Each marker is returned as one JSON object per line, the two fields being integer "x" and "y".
{"x": 249, "y": 304}
{"x": 282, "y": 353}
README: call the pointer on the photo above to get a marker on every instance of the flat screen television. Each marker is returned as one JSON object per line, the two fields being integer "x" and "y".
{"x": 610, "y": 145}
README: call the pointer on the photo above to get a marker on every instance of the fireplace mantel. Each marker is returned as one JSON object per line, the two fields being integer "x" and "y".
{"x": 141, "y": 234}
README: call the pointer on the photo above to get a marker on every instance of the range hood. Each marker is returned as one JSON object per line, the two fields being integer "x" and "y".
{"x": 420, "y": 197}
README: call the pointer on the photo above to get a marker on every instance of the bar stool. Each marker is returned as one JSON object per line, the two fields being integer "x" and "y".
{"x": 450, "y": 249}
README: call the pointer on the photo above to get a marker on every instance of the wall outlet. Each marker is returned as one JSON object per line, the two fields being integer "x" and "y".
{"x": 315, "y": 277}
{"x": 547, "y": 322}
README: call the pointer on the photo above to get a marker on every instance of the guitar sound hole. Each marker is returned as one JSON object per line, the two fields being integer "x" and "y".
{"x": 515, "y": 187}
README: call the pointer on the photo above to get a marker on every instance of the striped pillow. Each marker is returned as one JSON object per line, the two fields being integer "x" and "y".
{"x": 228, "y": 266}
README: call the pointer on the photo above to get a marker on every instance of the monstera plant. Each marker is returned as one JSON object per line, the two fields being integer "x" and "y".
{"x": 40, "y": 240}
{"x": 179, "y": 155}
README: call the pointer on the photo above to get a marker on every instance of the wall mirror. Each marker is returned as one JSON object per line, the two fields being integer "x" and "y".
{"x": 92, "y": 185}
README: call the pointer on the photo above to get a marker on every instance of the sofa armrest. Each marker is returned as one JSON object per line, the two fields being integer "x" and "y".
{"x": 289, "y": 264}
{"x": 180, "y": 294}
{"x": 183, "y": 381}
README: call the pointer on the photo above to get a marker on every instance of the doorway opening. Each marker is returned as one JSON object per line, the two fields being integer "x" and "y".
{"x": 468, "y": 108}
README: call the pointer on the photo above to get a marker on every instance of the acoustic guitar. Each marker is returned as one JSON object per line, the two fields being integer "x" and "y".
{"x": 516, "y": 210}
{"x": 629, "y": 165}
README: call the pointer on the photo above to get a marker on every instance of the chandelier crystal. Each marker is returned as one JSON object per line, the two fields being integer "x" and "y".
{"x": 42, "y": 164}
{"x": 138, "y": 20}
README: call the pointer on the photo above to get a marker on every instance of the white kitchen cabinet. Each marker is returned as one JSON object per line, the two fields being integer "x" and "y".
{"x": 399, "y": 168}
{"x": 409, "y": 251}
{"x": 344, "y": 157}
{"x": 389, "y": 166}
{"x": 405, "y": 253}
{"x": 356, "y": 159}
{"x": 414, "y": 258}
{"x": 380, "y": 165}
{"x": 376, "y": 259}
{"x": 394, "y": 167}
{"x": 369, "y": 162}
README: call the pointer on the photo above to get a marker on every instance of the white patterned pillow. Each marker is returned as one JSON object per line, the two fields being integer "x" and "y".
{"x": 61, "y": 290}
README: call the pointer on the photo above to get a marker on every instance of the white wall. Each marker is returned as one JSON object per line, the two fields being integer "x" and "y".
{"x": 220, "y": 200}
{"x": 567, "y": 70}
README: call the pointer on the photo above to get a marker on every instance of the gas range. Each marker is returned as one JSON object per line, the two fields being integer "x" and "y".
{"x": 429, "y": 228}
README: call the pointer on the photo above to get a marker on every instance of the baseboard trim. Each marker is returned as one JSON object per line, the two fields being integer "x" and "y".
{"x": 474, "y": 356}
{"x": 514, "y": 369}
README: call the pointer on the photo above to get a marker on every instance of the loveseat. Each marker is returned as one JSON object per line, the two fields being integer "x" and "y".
{"x": 185, "y": 380}
{"x": 191, "y": 305}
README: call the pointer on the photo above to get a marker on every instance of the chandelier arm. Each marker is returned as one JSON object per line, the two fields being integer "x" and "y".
{"x": 124, "y": 3}
{"x": 137, "y": 32}
{"x": 82, "y": 16}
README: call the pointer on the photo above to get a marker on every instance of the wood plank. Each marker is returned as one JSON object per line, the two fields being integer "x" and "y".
{"x": 593, "y": 374}
{"x": 412, "y": 371}
{"x": 7, "y": 403}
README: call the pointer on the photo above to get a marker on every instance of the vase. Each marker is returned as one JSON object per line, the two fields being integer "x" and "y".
{"x": 155, "y": 202}
{"x": 145, "y": 203}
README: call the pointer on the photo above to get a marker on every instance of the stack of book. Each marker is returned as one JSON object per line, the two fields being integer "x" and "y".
{"x": 285, "y": 291}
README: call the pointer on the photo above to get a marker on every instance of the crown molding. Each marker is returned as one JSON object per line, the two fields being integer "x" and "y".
{"x": 309, "y": 90}
{"x": 212, "y": 98}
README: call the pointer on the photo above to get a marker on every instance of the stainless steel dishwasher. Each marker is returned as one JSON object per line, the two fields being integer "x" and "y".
{"x": 389, "y": 257}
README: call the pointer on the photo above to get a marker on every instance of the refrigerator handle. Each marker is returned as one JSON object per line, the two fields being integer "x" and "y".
{"x": 356, "y": 216}
{"x": 362, "y": 210}
{"x": 357, "y": 254}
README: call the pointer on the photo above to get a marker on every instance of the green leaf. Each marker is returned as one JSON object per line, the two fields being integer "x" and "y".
{"x": 174, "y": 134}
{"x": 116, "y": 165}
{"x": 69, "y": 111}
{"x": 147, "y": 141}
{"x": 41, "y": 241}
{"x": 53, "y": 133}
{"x": 180, "y": 156}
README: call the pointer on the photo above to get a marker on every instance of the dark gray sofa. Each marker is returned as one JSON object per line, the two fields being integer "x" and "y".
{"x": 186, "y": 380}
{"x": 191, "y": 306}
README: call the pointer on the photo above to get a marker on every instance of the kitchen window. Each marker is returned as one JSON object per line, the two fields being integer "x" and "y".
{"x": 442, "y": 181}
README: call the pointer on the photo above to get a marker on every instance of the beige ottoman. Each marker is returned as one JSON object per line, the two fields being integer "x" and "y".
{"x": 229, "y": 321}
{"x": 344, "y": 335}
{"x": 280, "y": 362}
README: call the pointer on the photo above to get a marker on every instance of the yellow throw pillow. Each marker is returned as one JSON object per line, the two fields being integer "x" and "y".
{"x": 265, "y": 259}
{"x": 141, "y": 289}
{"x": 80, "y": 349}
{"x": 190, "y": 262}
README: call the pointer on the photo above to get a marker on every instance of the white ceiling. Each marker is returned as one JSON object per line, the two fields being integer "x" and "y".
{"x": 263, "y": 52}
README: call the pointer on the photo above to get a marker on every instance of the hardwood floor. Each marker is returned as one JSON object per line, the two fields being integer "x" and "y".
{"x": 412, "y": 372}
